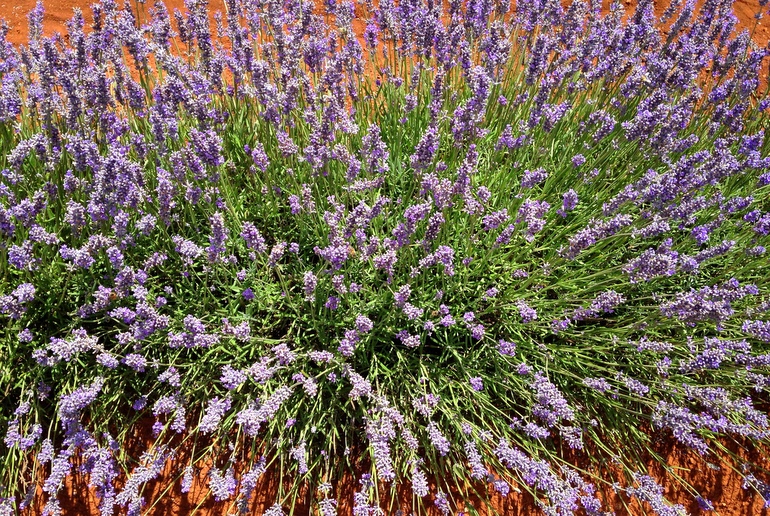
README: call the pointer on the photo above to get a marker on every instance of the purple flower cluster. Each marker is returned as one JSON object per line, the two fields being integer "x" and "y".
{"x": 653, "y": 263}
{"x": 605, "y": 302}
{"x": 551, "y": 406}
{"x": 222, "y": 485}
{"x": 348, "y": 343}
{"x": 712, "y": 303}
{"x": 647, "y": 490}
{"x": 215, "y": 410}
{"x": 254, "y": 239}
{"x": 538, "y": 474}
{"x": 194, "y": 336}
{"x": 758, "y": 329}
{"x": 255, "y": 415}
{"x": 130, "y": 167}
{"x": 527, "y": 313}
{"x": 14, "y": 305}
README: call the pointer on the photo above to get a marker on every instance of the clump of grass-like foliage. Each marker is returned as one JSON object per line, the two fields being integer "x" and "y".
{"x": 445, "y": 245}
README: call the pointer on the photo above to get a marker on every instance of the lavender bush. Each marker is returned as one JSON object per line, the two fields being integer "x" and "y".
{"x": 480, "y": 234}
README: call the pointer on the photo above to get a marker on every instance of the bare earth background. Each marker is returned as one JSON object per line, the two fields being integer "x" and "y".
{"x": 721, "y": 485}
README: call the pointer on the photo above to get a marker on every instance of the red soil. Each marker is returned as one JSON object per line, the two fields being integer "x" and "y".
{"x": 713, "y": 478}
{"x": 59, "y": 11}
{"x": 720, "y": 485}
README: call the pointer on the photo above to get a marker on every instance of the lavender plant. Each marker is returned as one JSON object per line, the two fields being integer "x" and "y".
{"x": 442, "y": 248}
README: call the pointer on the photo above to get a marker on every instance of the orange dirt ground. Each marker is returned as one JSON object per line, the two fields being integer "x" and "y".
{"x": 721, "y": 486}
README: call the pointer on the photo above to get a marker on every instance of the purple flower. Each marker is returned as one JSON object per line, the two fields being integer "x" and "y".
{"x": 363, "y": 324}
{"x": 704, "y": 504}
{"x": 426, "y": 404}
{"x": 252, "y": 417}
{"x": 253, "y": 238}
{"x": 371, "y": 33}
{"x": 298, "y": 454}
{"x": 294, "y": 204}
{"x": 215, "y": 410}
{"x": 442, "y": 504}
{"x": 412, "y": 312}
{"x": 715, "y": 352}
{"x": 757, "y": 329}
{"x": 762, "y": 226}
{"x": 595, "y": 231}
{"x": 494, "y": 220}
{"x": 506, "y": 348}
{"x": 653, "y": 263}
{"x": 560, "y": 325}
{"x": 407, "y": 339}
{"x": 419, "y": 482}
{"x": 276, "y": 253}
{"x": 65, "y": 350}
{"x": 386, "y": 262}
{"x": 170, "y": 376}
{"x": 310, "y": 283}
{"x": 569, "y": 202}
{"x": 135, "y": 361}
{"x": 259, "y": 157}
{"x": 649, "y": 491}
{"x": 248, "y": 294}
{"x": 187, "y": 479}
{"x": 605, "y": 302}
{"x": 507, "y": 140}
{"x": 285, "y": 144}
{"x": 22, "y": 257}
{"x": 222, "y": 486}
{"x": 321, "y": 357}
{"x": 437, "y": 439}
{"x": 578, "y": 160}
{"x": 336, "y": 254}
{"x": 338, "y": 283}
{"x": 476, "y": 383}
{"x": 633, "y": 385}
{"x": 402, "y": 296}
{"x": 218, "y": 238}
{"x": 532, "y": 213}
{"x": 231, "y": 378}
{"x": 478, "y": 470}
{"x": 527, "y": 313}
{"x": 551, "y": 405}
{"x": 374, "y": 152}
{"x": 360, "y": 386}
{"x": 444, "y": 255}
{"x": 477, "y": 331}
{"x": 70, "y": 405}
{"x": 597, "y": 384}
{"x": 425, "y": 150}
{"x": 81, "y": 258}
{"x": 187, "y": 249}
{"x": 531, "y": 178}
{"x": 140, "y": 403}
{"x": 560, "y": 492}
{"x": 208, "y": 146}
{"x": 348, "y": 343}
{"x": 284, "y": 354}
{"x": 707, "y": 303}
